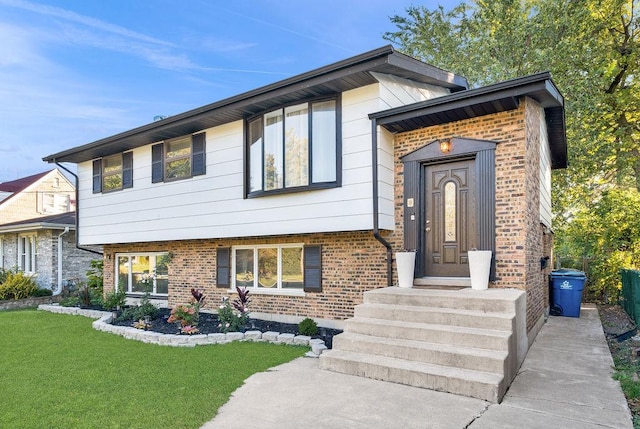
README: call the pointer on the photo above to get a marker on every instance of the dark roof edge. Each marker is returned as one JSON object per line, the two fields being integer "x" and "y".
{"x": 388, "y": 53}
{"x": 505, "y": 86}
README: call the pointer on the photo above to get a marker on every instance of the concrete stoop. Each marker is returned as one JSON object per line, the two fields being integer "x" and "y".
{"x": 464, "y": 341}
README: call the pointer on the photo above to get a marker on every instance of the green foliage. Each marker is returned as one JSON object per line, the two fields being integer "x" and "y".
{"x": 114, "y": 300}
{"x": 70, "y": 301}
{"x": 308, "y": 327}
{"x": 188, "y": 316}
{"x": 608, "y": 235}
{"x": 95, "y": 275}
{"x": 233, "y": 316}
{"x": 147, "y": 386}
{"x": 42, "y": 292}
{"x": 137, "y": 312}
{"x": 17, "y": 285}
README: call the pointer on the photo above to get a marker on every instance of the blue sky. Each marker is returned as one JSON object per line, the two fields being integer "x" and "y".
{"x": 72, "y": 72}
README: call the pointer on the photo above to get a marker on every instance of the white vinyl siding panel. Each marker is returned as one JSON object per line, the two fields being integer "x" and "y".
{"x": 545, "y": 173}
{"x": 213, "y": 205}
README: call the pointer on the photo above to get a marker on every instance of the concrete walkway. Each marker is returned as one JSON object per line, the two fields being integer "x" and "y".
{"x": 565, "y": 382}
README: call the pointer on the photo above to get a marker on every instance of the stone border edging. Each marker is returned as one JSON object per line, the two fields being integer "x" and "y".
{"x": 103, "y": 323}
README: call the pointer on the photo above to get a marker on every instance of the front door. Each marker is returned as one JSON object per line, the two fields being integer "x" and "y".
{"x": 450, "y": 217}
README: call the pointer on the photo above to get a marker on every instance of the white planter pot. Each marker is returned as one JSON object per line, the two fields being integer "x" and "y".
{"x": 479, "y": 268}
{"x": 406, "y": 262}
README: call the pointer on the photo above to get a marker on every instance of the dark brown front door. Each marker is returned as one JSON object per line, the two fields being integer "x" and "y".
{"x": 450, "y": 224}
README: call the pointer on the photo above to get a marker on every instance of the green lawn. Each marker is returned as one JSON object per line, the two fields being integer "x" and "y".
{"x": 57, "y": 372}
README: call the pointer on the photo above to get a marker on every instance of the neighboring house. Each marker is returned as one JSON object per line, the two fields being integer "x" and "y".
{"x": 42, "y": 194}
{"x": 274, "y": 189}
{"x": 37, "y": 230}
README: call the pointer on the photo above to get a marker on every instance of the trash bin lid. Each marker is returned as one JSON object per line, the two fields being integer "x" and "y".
{"x": 568, "y": 272}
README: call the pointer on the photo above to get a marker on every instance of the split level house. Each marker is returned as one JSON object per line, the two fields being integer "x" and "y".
{"x": 303, "y": 190}
{"x": 38, "y": 230}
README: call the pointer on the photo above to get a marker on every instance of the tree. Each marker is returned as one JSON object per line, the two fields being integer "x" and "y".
{"x": 590, "y": 47}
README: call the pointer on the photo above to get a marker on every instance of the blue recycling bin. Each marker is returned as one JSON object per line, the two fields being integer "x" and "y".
{"x": 567, "y": 286}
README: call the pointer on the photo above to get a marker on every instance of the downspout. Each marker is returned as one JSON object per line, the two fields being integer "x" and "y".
{"x": 376, "y": 224}
{"x": 77, "y": 211}
{"x": 58, "y": 290}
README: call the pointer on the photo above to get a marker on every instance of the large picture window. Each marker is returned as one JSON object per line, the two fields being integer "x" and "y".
{"x": 140, "y": 273}
{"x": 268, "y": 267}
{"x": 294, "y": 148}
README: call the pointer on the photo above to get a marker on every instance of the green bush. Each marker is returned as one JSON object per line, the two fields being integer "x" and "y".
{"x": 42, "y": 292}
{"x": 137, "y": 312}
{"x": 17, "y": 285}
{"x": 308, "y": 327}
{"x": 95, "y": 277}
{"x": 114, "y": 300}
{"x": 70, "y": 301}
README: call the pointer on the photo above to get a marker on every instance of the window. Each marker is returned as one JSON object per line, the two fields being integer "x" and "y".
{"x": 1, "y": 253}
{"x": 53, "y": 203}
{"x": 27, "y": 253}
{"x": 178, "y": 159}
{"x": 268, "y": 267}
{"x": 294, "y": 148}
{"x": 113, "y": 173}
{"x": 143, "y": 272}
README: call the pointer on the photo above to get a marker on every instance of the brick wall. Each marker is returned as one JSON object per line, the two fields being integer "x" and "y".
{"x": 353, "y": 262}
{"x": 520, "y": 238}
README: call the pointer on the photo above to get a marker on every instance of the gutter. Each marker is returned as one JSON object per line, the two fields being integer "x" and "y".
{"x": 75, "y": 176}
{"x": 376, "y": 221}
{"x": 58, "y": 290}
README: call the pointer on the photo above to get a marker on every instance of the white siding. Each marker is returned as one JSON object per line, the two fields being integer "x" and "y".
{"x": 396, "y": 91}
{"x": 212, "y": 205}
{"x": 545, "y": 173}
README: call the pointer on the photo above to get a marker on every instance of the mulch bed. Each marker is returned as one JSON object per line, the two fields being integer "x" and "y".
{"x": 208, "y": 324}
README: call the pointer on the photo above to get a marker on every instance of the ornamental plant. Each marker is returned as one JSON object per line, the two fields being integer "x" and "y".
{"x": 187, "y": 316}
{"x": 233, "y": 316}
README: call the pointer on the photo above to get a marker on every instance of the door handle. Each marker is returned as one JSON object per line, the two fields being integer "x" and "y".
{"x": 427, "y": 229}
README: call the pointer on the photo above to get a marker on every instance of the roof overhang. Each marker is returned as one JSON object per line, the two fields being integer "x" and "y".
{"x": 342, "y": 76}
{"x": 34, "y": 226}
{"x": 483, "y": 101}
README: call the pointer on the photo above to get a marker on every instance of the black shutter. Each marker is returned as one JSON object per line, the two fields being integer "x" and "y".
{"x": 313, "y": 268}
{"x": 157, "y": 163}
{"x": 223, "y": 267}
{"x": 127, "y": 170}
{"x": 198, "y": 161}
{"x": 97, "y": 176}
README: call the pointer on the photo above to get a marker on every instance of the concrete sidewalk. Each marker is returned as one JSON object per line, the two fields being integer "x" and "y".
{"x": 564, "y": 382}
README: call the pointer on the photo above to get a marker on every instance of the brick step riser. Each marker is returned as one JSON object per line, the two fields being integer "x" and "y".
{"x": 428, "y": 334}
{"x": 458, "y": 302}
{"x": 457, "y": 360}
{"x": 487, "y": 392}
{"x": 433, "y": 316}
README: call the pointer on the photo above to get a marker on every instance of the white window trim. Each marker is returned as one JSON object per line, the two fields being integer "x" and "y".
{"x": 31, "y": 259}
{"x": 266, "y": 291}
{"x": 130, "y": 273}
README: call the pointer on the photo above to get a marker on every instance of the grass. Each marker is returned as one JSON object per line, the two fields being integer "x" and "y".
{"x": 57, "y": 372}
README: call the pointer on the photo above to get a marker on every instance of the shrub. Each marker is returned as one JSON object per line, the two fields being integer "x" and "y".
{"x": 188, "y": 315}
{"x": 70, "y": 301}
{"x": 234, "y": 316}
{"x": 308, "y": 327}
{"x": 17, "y": 285}
{"x": 138, "y": 312}
{"x": 114, "y": 300}
{"x": 42, "y": 292}
{"x": 95, "y": 275}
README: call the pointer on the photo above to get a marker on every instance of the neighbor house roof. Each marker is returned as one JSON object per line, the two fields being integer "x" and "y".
{"x": 482, "y": 101}
{"x": 342, "y": 76}
{"x": 57, "y": 221}
{"x": 14, "y": 187}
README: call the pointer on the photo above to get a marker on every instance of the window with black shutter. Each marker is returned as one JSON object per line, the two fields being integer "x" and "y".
{"x": 179, "y": 158}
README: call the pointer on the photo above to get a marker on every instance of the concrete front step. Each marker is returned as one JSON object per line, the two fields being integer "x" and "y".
{"x": 490, "y": 300}
{"x": 476, "y": 384}
{"x": 420, "y": 351}
{"x": 437, "y": 315}
{"x": 442, "y": 334}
